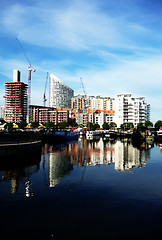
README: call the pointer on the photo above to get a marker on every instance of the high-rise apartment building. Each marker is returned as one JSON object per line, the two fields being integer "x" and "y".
{"x": 99, "y": 109}
{"x": 59, "y": 93}
{"x": 101, "y": 103}
{"x": 130, "y": 109}
{"x": 79, "y": 102}
{"x": 15, "y": 99}
{"x": 124, "y": 108}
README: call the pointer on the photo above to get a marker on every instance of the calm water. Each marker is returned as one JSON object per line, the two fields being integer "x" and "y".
{"x": 85, "y": 190}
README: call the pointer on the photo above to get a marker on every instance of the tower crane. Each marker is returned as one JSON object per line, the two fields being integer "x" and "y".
{"x": 85, "y": 101}
{"x": 30, "y": 69}
{"x": 82, "y": 85}
{"x": 44, "y": 96}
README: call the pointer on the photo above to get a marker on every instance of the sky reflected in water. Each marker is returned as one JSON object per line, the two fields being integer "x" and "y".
{"x": 84, "y": 190}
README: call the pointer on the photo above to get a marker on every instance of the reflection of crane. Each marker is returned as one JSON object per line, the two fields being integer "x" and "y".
{"x": 30, "y": 68}
{"x": 44, "y": 96}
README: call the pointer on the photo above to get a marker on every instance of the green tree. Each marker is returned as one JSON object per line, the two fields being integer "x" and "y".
{"x": 49, "y": 124}
{"x": 9, "y": 125}
{"x": 105, "y": 126}
{"x": 148, "y": 124}
{"x": 126, "y": 126}
{"x": 34, "y": 124}
{"x": 96, "y": 126}
{"x": 130, "y": 125}
{"x": 113, "y": 125}
{"x": 73, "y": 124}
{"x": 158, "y": 124}
{"x": 90, "y": 126}
{"x": 140, "y": 125}
{"x": 63, "y": 125}
{"x": 22, "y": 125}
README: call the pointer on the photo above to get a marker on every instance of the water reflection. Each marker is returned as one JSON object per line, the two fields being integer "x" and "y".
{"x": 98, "y": 196}
{"x": 16, "y": 171}
{"x": 121, "y": 153}
{"x": 59, "y": 164}
{"x": 59, "y": 161}
{"x": 127, "y": 156}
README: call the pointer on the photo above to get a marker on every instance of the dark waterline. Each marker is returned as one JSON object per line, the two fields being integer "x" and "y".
{"x": 84, "y": 190}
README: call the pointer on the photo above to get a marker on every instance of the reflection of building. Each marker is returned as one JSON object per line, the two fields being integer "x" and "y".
{"x": 93, "y": 153}
{"x": 124, "y": 155}
{"x": 58, "y": 166}
{"x": 127, "y": 156}
{"x": 16, "y": 174}
{"x": 101, "y": 153}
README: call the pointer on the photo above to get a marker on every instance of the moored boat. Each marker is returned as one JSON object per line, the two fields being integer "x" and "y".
{"x": 159, "y": 135}
{"x": 62, "y": 136}
{"x": 91, "y": 134}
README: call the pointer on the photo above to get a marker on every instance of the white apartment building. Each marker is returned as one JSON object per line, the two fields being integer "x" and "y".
{"x": 59, "y": 93}
{"x": 109, "y": 118}
{"x": 130, "y": 109}
{"x": 124, "y": 108}
{"x": 99, "y": 118}
{"x": 99, "y": 109}
{"x": 82, "y": 119}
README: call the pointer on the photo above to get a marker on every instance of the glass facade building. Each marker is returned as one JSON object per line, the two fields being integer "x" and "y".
{"x": 59, "y": 93}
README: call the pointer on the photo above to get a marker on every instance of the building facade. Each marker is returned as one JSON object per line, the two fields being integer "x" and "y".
{"x": 130, "y": 109}
{"x": 15, "y": 99}
{"x": 59, "y": 93}
{"x": 98, "y": 109}
{"x": 101, "y": 103}
{"x": 43, "y": 114}
{"x": 79, "y": 102}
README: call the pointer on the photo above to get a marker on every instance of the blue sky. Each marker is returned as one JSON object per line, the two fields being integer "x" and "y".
{"x": 115, "y": 46}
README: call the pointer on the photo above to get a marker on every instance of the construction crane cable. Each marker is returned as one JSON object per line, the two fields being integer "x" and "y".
{"x": 30, "y": 68}
{"x": 23, "y": 51}
{"x": 85, "y": 96}
{"x": 44, "y": 96}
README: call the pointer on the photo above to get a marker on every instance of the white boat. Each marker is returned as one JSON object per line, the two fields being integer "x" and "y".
{"x": 93, "y": 133}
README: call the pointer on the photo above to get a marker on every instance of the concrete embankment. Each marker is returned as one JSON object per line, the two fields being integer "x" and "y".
{"x": 20, "y": 149}
{"x": 16, "y": 144}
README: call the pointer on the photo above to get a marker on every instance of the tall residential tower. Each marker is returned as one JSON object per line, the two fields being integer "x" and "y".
{"x": 59, "y": 94}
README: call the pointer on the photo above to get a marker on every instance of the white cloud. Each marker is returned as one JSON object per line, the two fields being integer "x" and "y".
{"x": 140, "y": 77}
{"x": 80, "y": 26}
{"x": 125, "y": 58}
